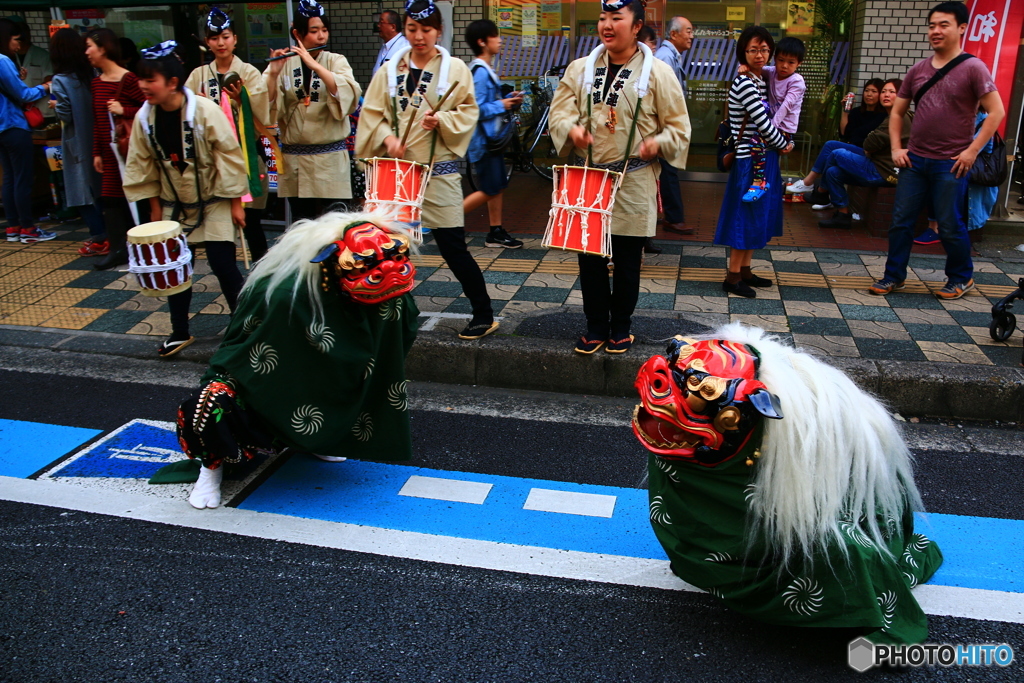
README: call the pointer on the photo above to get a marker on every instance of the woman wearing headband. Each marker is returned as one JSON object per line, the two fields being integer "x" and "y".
{"x": 185, "y": 159}
{"x": 251, "y": 109}
{"x": 408, "y": 88}
{"x": 619, "y": 103}
{"x": 311, "y": 96}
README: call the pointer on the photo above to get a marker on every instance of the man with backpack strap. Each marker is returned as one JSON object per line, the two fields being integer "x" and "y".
{"x": 946, "y": 89}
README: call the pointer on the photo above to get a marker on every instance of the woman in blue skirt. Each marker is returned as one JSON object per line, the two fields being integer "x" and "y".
{"x": 746, "y": 226}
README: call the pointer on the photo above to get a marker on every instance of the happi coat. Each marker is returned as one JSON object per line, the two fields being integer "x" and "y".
{"x": 203, "y": 81}
{"x": 215, "y": 173}
{"x": 442, "y": 205}
{"x": 662, "y": 117}
{"x": 316, "y": 163}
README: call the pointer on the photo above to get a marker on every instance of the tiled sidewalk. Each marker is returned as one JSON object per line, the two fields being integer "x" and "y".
{"x": 820, "y": 302}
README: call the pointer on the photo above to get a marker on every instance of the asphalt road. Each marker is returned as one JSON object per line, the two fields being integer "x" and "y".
{"x": 87, "y": 597}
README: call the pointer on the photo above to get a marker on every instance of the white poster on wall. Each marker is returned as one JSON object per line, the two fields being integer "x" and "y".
{"x": 447, "y": 16}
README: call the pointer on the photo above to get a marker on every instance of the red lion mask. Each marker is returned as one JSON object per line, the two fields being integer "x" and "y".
{"x": 701, "y": 401}
{"x": 372, "y": 264}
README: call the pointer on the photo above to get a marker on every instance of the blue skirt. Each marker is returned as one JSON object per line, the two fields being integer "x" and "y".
{"x": 750, "y": 225}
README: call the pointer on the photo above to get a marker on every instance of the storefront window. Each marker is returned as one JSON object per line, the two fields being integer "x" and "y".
{"x": 145, "y": 26}
{"x": 260, "y": 26}
{"x": 534, "y": 42}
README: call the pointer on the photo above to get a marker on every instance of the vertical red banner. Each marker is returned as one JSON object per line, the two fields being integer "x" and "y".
{"x": 994, "y": 35}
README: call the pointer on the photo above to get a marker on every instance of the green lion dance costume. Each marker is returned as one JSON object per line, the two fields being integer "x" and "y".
{"x": 781, "y": 488}
{"x": 314, "y": 357}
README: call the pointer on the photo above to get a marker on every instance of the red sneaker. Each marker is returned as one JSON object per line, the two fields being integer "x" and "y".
{"x": 13, "y": 234}
{"x": 93, "y": 247}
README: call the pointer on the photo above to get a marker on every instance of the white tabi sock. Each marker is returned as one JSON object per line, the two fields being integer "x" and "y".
{"x": 206, "y": 492}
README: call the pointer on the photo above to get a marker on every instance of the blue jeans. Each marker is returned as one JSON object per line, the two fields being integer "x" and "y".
{"x": 930, "y": 179}
{"x": 847, "y": 167}
{"x": 16, "y": 157}
{"x": 825, "y": 155}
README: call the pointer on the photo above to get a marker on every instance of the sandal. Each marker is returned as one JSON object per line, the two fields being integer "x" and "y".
{"x": 478, "y": 330}
{"x": 587, "y": 346}
{"x": 621, "y": 345}
{"x": 173, "y": 346}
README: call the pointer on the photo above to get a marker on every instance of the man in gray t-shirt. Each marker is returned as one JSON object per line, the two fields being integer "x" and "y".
{"x": 941, "y": 151}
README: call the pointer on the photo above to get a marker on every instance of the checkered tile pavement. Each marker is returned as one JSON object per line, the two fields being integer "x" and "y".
{"x": 820, "y": 301}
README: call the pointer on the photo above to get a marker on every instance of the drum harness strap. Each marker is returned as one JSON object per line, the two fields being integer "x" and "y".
{"x": 641, "y": 85}
{"x": 179, "y": 206}
{"x": 441, "y": 90}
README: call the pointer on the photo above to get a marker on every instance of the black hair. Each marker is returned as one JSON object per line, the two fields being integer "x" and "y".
{"x": 794, "y": 47}
{"x": 129, "y": 53}
{"x": 392, "y": 17}
{"x": 434, "y": 20}
{"x": 957, "y": 9}
{"x": 8, "y": 29}
{"x": 898, "y": 82}
{"x": 169, "y": 67}
{"x": 877, "y": 82}
{"x": 481, "y": 29}
{"x": 301, "y": 24}
{"x": 647, "y": 33}
{"x": 749, "y": 33}
{"x": 213, "y": 34}
{"x": 67, "y": 55}
{"x": 637, "y": 8}
{"x": 24, "y": 31}
{"x": 106, "y": 40}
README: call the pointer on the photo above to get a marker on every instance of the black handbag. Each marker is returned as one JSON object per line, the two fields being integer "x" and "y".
{"x": 726, "y": 152}
{"x": 989, "y": 168}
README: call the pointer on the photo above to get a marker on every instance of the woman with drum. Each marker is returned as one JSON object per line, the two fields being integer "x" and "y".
{"x": 311, "y": 95}
{"x": 185, "y": 159}
{"x": 620, "y": 109}
{"x": 399, "y": 119}
{"x": 248, "y": 90}
{"x": 745, "y": 226}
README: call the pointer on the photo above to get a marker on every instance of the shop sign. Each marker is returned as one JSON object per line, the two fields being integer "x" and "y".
{"x": 505, "y": 15}
{"x": 530, "y": 23}
{"x": 735, "y": 13}
{"x": 993, "y": 35}
{"x": 550, "y": 15}
{"x": 55, "y": 158}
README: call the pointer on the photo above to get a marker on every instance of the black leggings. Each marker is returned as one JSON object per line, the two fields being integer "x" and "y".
{"x": 221, "y": 256}
{"x": 312, "y": 207}
{"x": 118, "y": 219}
{"x": 253, "y": 232}
{"x": 601, "y": 302}
{"x": 452, "y": 244}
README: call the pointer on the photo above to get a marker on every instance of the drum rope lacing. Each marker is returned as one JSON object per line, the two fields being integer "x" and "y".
{"x": 184, "y": 258}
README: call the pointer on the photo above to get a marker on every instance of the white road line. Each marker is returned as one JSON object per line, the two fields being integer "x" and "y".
{"x": 627, "y": 571}
{"x": 454, "y": 490}
{"x": 570, "y": 502}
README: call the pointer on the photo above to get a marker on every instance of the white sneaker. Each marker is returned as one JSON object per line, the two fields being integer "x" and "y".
{"x": 799, "y": 188}
{"x": 855, "y": 216}
{"x": 821, "y": 207}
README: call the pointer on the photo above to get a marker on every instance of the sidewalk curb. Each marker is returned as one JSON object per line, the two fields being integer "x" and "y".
{"x": 950, "y": 390}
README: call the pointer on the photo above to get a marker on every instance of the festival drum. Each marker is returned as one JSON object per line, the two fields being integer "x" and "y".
{"x": 581, "y": 210}
{"x": 395, "y": 188}
{"x": 159, "y": 256}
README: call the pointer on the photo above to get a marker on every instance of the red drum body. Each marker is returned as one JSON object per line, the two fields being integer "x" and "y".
{"x": 159, "y": 257}
{"x": 396, "y": 188}
{"x": 581, "y": 210}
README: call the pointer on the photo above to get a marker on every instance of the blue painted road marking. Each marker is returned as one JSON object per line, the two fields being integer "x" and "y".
{"x": 27, "y": 447}
{"x": 979, "y": 552}
{"x": 134, "y": 451}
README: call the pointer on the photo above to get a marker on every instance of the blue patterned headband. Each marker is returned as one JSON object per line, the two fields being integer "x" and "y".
{"x": 420, "y": 16}
{"x": 614, "y": 5}
{"x": 164, "y": 49}
{"x": 310, "y": 9}
{"x": 217, "y": 21}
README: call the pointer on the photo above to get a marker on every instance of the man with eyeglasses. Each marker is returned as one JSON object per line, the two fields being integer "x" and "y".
{"x": 389, "y": 27}
{"x": 678, "y": 40}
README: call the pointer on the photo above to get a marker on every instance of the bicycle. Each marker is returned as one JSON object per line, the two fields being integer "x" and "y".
{"x": 532, "y": 149}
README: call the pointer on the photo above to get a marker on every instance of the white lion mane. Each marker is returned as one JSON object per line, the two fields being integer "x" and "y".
{"x": 303, "y": 241}
{"x": 836, "y": 455}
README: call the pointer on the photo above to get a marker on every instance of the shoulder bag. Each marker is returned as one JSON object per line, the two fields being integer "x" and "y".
{"x": 989, "y": 168}
{"x": 497, "y": 142}
{"x": 121, "y": 126}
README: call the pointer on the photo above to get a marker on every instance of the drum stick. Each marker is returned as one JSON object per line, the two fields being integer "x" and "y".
{"x": 245, "y": 248}
{"x": 440, "y": 102}
{"x": 286, "y": 55}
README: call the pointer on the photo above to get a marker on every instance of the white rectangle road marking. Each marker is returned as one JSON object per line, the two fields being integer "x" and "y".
{"x": 570, "y": 503}
{"x": 454, "y": 490}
